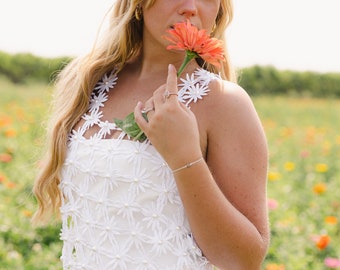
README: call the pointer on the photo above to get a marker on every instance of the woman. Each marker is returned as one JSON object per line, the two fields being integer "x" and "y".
{"x": 193, "y": 194}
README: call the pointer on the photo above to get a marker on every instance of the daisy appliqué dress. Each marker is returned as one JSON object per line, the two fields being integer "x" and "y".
{"x": 120, "y": 207}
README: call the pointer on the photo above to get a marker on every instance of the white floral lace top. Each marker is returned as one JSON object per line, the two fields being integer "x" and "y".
{"x": 121, "y": 208}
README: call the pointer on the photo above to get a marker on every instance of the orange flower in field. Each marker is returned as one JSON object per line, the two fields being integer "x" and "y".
{"x": 274, "y": 266}
{"x": 5, "y": 158}
{"x": 10, "y": 133}
{"x": 197, "y": 43}
{"x": 320, "y": 188}
{"x": 322, "y": 242}
{"x": 27, "y": 213}
{"x": 10, "y": 185}
{"x": 2, "y": 178}
{"x": 331, "y": 220}
{"x": 5, "y": 121}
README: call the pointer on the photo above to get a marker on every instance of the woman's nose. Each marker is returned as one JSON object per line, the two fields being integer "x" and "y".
{"x": 188, "y": 8}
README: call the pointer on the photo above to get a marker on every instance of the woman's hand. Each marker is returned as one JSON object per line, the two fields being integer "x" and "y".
{"x": 171, "y": 126}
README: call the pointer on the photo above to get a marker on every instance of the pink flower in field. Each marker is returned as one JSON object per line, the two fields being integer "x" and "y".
{"x": 272, "y": 204}
{"x": 332, "y": 262}
{"x": 305, "y": 154}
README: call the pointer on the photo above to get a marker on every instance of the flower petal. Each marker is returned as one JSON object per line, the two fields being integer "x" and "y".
{"x": 185, "y": 36}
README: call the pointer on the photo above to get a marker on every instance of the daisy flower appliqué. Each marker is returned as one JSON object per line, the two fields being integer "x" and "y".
{"x": 107, "y": 82}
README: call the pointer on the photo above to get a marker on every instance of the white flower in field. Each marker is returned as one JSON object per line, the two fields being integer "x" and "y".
{"x": 37, "y": 247}
{"x": 14, "y": 255}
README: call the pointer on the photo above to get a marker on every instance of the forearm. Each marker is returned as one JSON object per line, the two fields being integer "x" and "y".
{"x": 224, "y": 234}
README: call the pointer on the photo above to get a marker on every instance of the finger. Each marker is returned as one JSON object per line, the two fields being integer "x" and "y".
{"x": 171, "y": 84}
{"x": 140, "y": 120}
{"x": 149, "y": 104}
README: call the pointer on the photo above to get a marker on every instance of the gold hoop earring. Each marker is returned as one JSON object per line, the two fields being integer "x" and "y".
{"x": 138, "y": 13}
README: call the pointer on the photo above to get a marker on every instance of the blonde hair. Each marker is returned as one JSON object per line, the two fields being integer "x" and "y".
{"x": 122, "y": 42}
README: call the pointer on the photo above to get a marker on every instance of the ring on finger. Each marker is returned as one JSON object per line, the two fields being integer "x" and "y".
{"x": 167, "y": 94}
{"x": 146, "y": 110}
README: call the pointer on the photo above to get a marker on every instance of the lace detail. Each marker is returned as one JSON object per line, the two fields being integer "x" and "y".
{"x": 121, "y": 208}
{"x": 191, "y": 89}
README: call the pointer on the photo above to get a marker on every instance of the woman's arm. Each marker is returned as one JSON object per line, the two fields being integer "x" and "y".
{"x": 224, "y": 197}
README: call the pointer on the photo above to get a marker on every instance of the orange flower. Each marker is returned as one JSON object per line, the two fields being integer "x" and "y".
{"x": 10, "y": 133}
{"x": 10, "y": 185}
{"x": 27, "y": 213}
{"x": 322, "y": 242}
{"x": 274, "y": 266}
{"x": 5, "y": 158}
{"x": 320, "y": 188}
{"x": 197, "y": 43}
{"x": 331, "y": 220}
{"x": 5, "y": 121}
{"x": 2, "y": 178}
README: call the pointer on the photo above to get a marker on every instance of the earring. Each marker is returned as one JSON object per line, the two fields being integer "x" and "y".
{"x": 138, "y": 13}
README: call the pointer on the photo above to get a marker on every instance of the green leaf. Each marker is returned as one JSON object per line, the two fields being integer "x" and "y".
{"x": 130, "y": 127}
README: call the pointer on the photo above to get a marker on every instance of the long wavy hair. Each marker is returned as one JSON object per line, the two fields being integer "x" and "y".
{"x": 122, "y": 41}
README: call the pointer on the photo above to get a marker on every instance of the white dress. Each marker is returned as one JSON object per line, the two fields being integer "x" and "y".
{"x": 121, "y": 208}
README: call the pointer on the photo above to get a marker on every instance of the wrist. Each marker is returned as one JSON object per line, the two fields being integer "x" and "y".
{"x": 188, "y": 165}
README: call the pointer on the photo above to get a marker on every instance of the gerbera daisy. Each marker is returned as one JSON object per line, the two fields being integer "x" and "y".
{"x": 196, "y": 43}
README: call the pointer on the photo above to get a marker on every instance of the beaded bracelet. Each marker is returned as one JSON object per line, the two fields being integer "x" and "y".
{"x": 188, "y": 165}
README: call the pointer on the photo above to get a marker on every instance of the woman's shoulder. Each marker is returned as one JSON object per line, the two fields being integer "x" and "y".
{"x": 228, "y": 107}
{"x": 226, "y": 95}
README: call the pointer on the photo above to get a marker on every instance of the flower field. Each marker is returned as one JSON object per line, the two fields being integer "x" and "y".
{"x": 303, "y": 181}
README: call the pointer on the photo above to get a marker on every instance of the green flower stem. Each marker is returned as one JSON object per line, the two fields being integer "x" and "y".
{"x": 189, "y": 55}
{"x": 139, "y": 136}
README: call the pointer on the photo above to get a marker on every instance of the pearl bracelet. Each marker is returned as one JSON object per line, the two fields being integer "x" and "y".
{"x": 188, "y": 165}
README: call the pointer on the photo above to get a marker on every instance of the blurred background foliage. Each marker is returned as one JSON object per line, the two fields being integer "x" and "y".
{"x": 257, "y": 80}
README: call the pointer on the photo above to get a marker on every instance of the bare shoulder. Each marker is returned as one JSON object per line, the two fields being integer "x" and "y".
{"x": 237, "y": 149}
{"x": 228, "y": 95}
{"x": 228, "y": 104}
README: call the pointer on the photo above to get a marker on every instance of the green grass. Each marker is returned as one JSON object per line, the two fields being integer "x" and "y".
{"x": 304, "y": 144}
